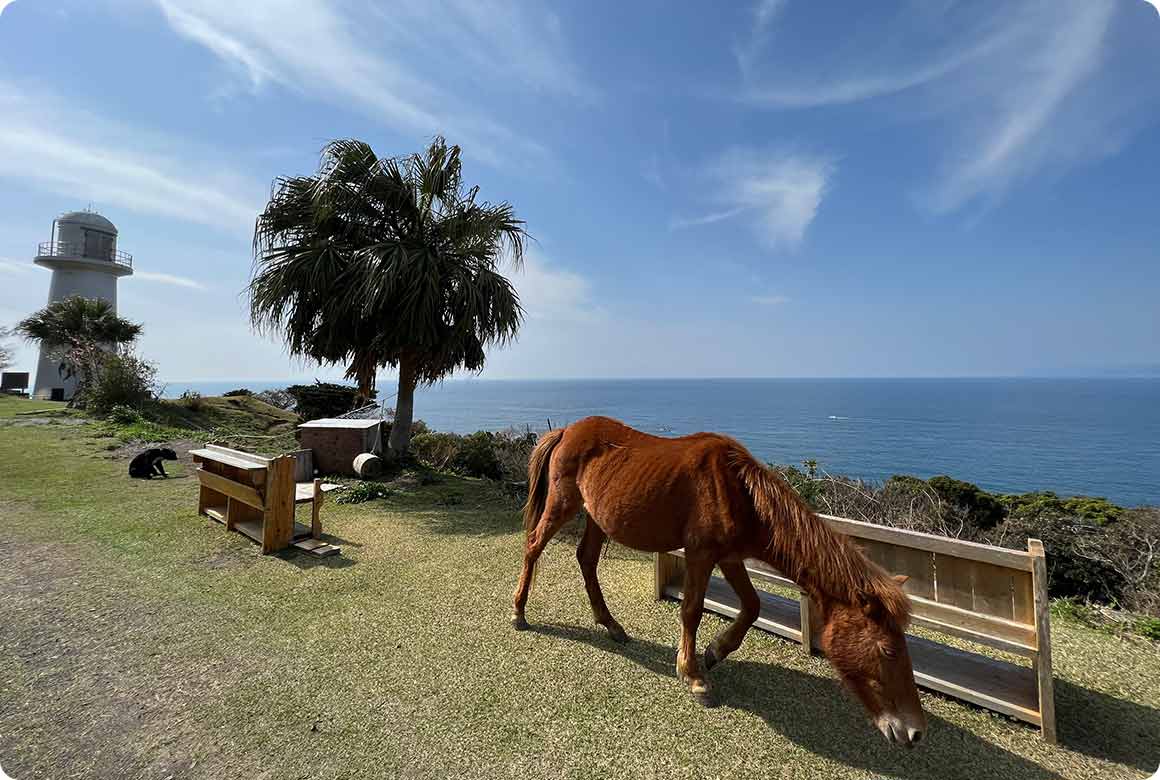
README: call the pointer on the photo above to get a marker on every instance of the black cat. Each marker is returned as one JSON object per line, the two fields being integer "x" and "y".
{"x": 148, "y": 464}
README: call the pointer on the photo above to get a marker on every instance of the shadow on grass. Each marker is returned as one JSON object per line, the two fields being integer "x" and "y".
{"x": 1103, "y": 726}
{"x": 815, "y": 714}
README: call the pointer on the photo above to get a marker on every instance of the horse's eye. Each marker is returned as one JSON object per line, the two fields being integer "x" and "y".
{"x": 888, "y": 652}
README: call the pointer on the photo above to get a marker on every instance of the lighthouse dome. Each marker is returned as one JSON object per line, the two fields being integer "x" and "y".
{"x": 87, "y": 219}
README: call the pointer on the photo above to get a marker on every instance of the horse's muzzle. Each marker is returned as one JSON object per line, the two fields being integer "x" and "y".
{"x": 898, "y": 732}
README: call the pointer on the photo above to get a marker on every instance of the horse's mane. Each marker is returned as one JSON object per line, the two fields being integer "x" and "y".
{"x": 805, "y": 549}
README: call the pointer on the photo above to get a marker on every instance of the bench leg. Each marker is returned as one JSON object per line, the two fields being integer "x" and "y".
{"x": 315, "y": 509}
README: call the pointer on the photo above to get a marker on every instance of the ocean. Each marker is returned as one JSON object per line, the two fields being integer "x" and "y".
{"x": 1097, "y": 437}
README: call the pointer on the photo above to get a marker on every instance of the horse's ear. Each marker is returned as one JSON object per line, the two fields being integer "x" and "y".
{"x": 901, "y": 578}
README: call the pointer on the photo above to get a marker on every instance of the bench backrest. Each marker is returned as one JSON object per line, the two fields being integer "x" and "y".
{"x": 976, "y": 591}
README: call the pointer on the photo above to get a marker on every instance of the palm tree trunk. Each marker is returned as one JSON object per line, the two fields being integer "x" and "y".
{"x": 404, "y": 407}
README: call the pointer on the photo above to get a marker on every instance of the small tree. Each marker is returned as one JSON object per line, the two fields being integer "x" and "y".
{"x": 80, "y": 333}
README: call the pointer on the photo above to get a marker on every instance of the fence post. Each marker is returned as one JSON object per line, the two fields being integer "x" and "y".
{"x": 1042, "y": 659}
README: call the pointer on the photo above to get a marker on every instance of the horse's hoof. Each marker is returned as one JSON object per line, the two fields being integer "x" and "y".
{"x": 616, "y": 633}
{"x": 711, "y": 658}
{"x": 519, "y": 623}
{"x": 701, "y": 692}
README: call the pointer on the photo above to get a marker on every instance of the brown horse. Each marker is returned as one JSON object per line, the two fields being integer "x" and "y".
{"x": 707, "y": 494}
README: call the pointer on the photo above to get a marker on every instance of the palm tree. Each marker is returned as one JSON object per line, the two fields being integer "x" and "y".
{"x": 377, "y": 262}
{"x": 80, "y": 332}
{"x": 77, "y": 321}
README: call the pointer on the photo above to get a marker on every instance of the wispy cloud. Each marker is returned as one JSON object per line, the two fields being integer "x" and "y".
{"x": 421, "y": 71}
{"x": 1026, "y": 126}
{"x": 769, "y": 300}
{"x": 12, "y": 267}
{"x": 90, "y": 158}
{"x": 1005, "y": 90}
{"x": 549, "y": 292}
{"x": 778, "y": 193}
{"x": 763, "y": 15}
{"x": 171, "y": 279}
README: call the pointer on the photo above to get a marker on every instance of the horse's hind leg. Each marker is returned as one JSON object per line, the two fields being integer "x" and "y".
{"x": 562, "y": 505}
{"x": 697, "y": 571}
{"x": 730, "y": 639}
{"x": 588, "y": 554}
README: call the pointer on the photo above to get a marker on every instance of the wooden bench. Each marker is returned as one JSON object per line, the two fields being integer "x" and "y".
{"x": 256, "y": 496}
{"x": 988, "y": 595}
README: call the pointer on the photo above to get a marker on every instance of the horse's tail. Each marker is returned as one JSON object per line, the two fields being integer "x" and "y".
{"x": 538, "y": 477}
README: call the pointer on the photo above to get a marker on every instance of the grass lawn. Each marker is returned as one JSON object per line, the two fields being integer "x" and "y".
{"x": 138, "y": 640}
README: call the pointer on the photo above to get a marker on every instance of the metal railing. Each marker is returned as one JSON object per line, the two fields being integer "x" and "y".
{"x": 67, "y": 249}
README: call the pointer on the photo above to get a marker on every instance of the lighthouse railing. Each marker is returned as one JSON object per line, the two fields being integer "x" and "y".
{"x": 69, "y": 249}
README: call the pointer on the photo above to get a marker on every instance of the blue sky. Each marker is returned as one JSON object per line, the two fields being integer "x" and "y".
{"x": 781, "y": 188}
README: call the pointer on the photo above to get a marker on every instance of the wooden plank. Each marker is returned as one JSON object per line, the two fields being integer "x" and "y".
{"x": 241, "y": 454}
{"x": 229, "y": 460}
{"x": 670, "y": 570}
{"x": 954, "y": 581}
{"x": 779, "y": 615}
{"x": 918, "y": 566}
{"x": 315, "y": 509}
{"x": 999, "y": 556}
{"x": 242, "y": 513}
{"x": 253, "y": 529}
{"x": 767, "y": 573}
{"x": 227, "y": 487}
{"x": 987, "y": 682}
{"x": 1046, "y": 682}
{"x": 278, "y": 524}
{"x": 316, "y": 548}
{"x": 1002, "y": 634}
{"x": 993, "y": 591}
{"x": 304, "y": 491}
{"x": 1022, "y": 598}
{"x": 217, "y": 513}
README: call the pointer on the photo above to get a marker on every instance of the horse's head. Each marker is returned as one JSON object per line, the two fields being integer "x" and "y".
{"x": 866, "y": 644}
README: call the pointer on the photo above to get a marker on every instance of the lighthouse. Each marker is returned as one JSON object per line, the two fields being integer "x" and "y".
{"x": 85, "y": 261}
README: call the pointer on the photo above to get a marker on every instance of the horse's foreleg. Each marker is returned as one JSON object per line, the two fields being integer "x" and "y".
{"x": 557, "y": 512}
{"x": 588, "y": 554}
{"x": 697, "y": 571}
{"x": 730, "y": 639}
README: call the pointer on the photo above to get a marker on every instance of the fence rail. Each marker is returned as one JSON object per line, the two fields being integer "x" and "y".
{"x": 69, "y": 249}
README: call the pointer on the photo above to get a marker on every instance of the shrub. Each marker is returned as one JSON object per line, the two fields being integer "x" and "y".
{"x": 477, "y": 456}
{"x": 278, "y": 398}
{"x": 124, "y": 415}
{"x": 323, "y": 399}
{"x": 115, "y": 379}
{"x": 363, "y": 491}
{"x": 513, "y": 450}
{"x": 437, "y": 450}
{"x": 981, "y": 510}
{"x": 1038, "y": 504}
{"x": 480, "y": 454}
{"x": 192, "y": 400}
{"x": 1148, "y": 627}
{"x": 239, "y": 391}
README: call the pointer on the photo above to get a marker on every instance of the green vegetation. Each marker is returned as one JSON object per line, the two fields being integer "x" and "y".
{"x": 140, "y": 640}
{"x": 481, "y": 454}
{"x": 242, "y": 421}
{"x": 78, "y": 331}
{"x": 325, "y": 399}
{"x": 378, "y": 261}
{"x": 361, "y": 492}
